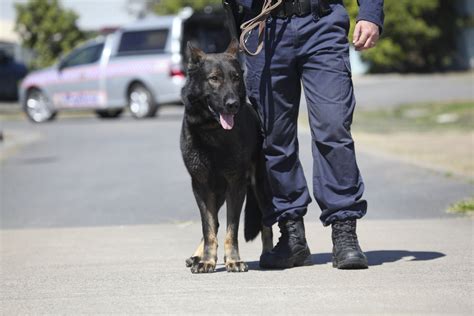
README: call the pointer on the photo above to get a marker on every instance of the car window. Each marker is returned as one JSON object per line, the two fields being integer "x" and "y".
{"x": 83, "y": 56}
{"x": 139, "y": 42}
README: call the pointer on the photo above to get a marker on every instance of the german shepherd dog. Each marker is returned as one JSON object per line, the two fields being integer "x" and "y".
{"x": 221, "y": 148}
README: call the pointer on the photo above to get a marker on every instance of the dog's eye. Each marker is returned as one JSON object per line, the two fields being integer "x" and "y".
{"x": 235, "y": 77}
{"x": 213, "y": 78}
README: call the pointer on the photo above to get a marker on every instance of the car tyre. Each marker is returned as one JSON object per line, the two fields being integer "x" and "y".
{"x": 38, "y": 107}
{"x": 140, "y": 102}
{"x": 109, "y": 114}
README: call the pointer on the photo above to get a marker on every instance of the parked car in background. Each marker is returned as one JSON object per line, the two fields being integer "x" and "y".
{"x": 138, "y": 67}
{"x": 11, "y": 72}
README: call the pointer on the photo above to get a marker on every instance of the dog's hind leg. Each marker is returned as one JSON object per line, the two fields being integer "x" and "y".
{"x": 234, "y": 199}
{"x": 207, "y": 204}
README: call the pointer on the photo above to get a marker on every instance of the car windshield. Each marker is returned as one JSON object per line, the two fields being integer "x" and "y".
{"x": 139, "y": 42}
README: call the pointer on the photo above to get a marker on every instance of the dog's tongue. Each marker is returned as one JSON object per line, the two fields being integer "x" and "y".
{"x": 227, "y": 121}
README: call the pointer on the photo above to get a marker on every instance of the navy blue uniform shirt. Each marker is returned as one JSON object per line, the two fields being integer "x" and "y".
{"x": 370, "y": 10}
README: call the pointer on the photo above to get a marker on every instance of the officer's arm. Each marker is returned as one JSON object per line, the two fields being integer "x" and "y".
{"x": 369, "y": 24}
{"x": 372, "y": 11}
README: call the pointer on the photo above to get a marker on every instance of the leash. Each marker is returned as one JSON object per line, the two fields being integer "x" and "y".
{"x": 258, "y": 21}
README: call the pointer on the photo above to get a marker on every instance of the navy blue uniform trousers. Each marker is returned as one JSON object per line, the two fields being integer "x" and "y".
{"x": 313, "y": 53}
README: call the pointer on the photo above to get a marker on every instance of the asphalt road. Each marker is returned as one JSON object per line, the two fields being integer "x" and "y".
{"x": 383, "y": 91}
{"x": 89, "y": 172}
{"x": 378, "y": 91}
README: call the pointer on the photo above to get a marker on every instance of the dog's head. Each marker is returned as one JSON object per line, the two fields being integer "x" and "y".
{"x": 217, "y": 81}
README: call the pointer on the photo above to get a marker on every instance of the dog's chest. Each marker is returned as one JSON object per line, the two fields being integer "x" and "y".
{"x": 214, "y": 155}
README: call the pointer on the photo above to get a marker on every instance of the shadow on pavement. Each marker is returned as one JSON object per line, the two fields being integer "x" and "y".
{"x": 379, "y": 257}
{"x": 375, "y": 258}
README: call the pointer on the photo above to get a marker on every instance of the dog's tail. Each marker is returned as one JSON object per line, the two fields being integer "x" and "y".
{"x": 253, "y": 215}
{"x": 257, "y": 200}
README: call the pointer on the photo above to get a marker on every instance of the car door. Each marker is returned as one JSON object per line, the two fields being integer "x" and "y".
{"x": 140, "y": 56}
{"x": 78, "y": 79}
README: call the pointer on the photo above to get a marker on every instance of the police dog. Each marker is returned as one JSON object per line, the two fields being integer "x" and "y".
{"x": 221, "y": 148}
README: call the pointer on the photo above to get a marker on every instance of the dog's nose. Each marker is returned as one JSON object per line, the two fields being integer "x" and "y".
{"x": 232, "y": 104}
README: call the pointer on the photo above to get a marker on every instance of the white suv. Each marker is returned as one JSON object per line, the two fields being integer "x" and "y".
{"x": 140, "y": 66}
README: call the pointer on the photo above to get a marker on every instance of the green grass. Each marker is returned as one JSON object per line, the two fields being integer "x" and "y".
{"x": 463, "y": 207}
{"x": 417, "y": 118}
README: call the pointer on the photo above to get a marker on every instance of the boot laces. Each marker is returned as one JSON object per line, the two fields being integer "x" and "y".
{"x": 344, "y": 234}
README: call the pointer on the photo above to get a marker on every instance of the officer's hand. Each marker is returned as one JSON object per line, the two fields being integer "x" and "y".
{"x": 366, "y": 35}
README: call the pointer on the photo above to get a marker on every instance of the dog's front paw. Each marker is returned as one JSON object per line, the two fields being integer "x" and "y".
{"x": 204, "y": 267}
{"x": 236, "y": 266}
{"x": 192, "y": 261}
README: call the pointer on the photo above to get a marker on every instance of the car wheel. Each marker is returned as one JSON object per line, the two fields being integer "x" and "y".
{"x": 38, "y": 107}
{"x": 140, "y": 102}
{"x": 109, "y": 114}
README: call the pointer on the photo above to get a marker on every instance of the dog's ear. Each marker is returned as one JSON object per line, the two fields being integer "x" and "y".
{"x": 233, "y": 48}
{"x": 195, "y": 54}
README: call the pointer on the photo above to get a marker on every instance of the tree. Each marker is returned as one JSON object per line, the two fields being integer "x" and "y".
{"x": 174, "y": 6}
{"x": 48, "y": 29}
{"x": 418, "y": 36}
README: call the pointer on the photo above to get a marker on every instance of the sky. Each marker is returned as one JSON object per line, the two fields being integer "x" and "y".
{"x": 93, "y": 14}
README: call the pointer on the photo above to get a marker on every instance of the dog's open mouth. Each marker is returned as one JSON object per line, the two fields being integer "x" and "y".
{"x": 226, "y": 120}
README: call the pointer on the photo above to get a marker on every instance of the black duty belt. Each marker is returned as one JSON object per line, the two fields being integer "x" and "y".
{"x": 301, "y": 8}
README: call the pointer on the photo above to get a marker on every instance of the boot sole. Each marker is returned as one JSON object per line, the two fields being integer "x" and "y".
{"x": 350, "y": 264}
{"x": 300, "y": 259}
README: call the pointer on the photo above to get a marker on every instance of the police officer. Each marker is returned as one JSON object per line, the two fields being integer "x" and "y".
{"x": 305, "y": 41}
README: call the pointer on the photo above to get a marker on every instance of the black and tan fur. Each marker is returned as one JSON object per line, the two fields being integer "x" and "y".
{"x": 225, "y": 164}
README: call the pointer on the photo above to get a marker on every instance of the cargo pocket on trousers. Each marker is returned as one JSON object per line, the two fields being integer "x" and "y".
{"x": 347, "y": 64}
{"x": 347, "y": 93}
{"x": 345, "y": 78}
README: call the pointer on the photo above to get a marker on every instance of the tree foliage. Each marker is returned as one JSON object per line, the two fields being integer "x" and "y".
{"x": 174, "y": 6}
{"x": 418, "y": 36}
{"x": 48, "y": 29}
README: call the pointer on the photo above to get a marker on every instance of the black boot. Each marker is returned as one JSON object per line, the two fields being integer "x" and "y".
{"x": 346, "y": 252}
{"x": 291, "y": 249}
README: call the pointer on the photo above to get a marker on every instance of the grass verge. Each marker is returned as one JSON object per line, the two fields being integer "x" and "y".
{"x": 439, "y": 136}
{"x": 427, "y": 117}
{"x": 465, "y": 207}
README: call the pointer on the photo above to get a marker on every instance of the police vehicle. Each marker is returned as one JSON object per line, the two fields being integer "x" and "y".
{"x": 138, "y": 67}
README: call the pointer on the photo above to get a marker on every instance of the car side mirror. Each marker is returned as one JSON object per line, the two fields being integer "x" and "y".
{"x": 60, "y": 65}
